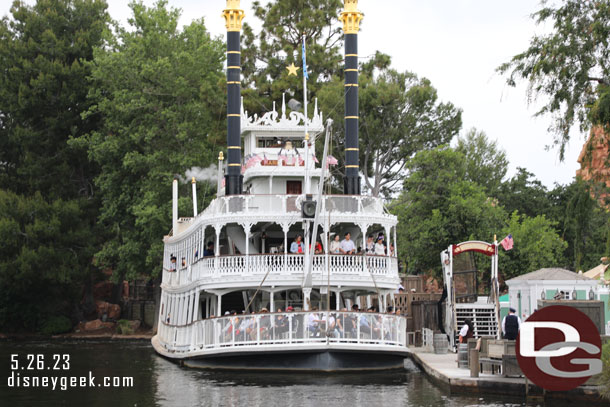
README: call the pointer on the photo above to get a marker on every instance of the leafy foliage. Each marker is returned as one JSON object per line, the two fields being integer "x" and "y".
{"x": 582, "y": 224}
{"x": 159, "y": 91}
{"x": 265, "y": 55}
{"x": 486, "y": 163}
{"x": 48, "y": 205}
{"x": 56, "y": 325}
{"x": 400, "y": 114}
{"x": 438, "y": 207}
{"x": 43, "y": 91}
{"x": 537, "y": 245}
{"x": 604, "y": 381}
{"x": 567, "y": 64}
{"x": 525, "y": 194}
{"x": 45, "y": 253}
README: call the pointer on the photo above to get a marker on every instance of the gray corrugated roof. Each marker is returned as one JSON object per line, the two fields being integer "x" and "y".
{"x": 551, "y": 274}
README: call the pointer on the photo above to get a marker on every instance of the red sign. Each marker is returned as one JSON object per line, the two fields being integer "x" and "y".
{"x": 474, "y": 246}
{"x": 559, "y": 348}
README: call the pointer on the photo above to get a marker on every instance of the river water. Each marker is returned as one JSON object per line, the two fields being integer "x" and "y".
{"x": 159, "y": 382}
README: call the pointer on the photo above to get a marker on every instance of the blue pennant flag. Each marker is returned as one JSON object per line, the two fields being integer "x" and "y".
{"x": 304, "y": 61}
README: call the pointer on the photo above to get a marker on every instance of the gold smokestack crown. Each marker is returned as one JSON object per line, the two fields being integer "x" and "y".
{"x": 351, "y": 17}
{"x": 221, "y": 156}
{"x": 233, "y": 15}
{"x": 193, "y": 180}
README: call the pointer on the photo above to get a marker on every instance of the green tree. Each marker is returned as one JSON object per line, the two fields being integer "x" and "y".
{"x": 584, "y": 226}
{"x": 400, "y": 114}
{"x": 266, "y": 54}
{"x": 48, "y": 205}
{"x": 486, "y": 162}
{"x": 536, "y": 245}
{"x": 567, "y": 65}
{"x": 45, "y": 251}
{"x": 438, "y": 207}
{"x": 43, "y": 91}
{"x": 525, "y": 194}
{"x": 159, "y": 91}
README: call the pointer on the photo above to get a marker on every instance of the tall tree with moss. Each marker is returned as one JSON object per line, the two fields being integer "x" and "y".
{"x": 160, "y": 92}
{"x": 568, "y": 68}
{"x": 48, "y": 205}
{"x": 267, "y": 53}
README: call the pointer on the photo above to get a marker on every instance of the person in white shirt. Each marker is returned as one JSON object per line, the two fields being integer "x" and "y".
{"x": 379, "y": 246}
{"x": 347, "y": 245}
{"x": 335, "y": 245}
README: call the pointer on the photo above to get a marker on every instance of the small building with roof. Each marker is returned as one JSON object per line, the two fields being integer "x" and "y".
{"x": 525, "y": 290}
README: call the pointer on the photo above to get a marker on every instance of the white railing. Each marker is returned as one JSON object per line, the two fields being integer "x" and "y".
{"x": 281, "y": 265}
{"x": 283, "y": 329}
{"x": 233, "y": 204}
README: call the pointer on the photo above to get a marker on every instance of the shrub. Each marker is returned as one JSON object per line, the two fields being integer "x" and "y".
{"x": 56, "y": 325}
{"x": 604, "y": 380}
{"x": 123, "y": 327}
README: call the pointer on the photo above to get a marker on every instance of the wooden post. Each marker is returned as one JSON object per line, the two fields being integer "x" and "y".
{"x": 474, "y": 362}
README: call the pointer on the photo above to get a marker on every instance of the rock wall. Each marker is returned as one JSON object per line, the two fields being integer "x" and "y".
{"x": 594, "y": 160}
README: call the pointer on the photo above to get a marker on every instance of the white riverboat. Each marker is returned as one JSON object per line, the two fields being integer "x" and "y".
{"x": 234, "y": 294}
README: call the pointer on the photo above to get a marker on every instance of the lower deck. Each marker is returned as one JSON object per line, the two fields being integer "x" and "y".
{"x": 312, "y": 340}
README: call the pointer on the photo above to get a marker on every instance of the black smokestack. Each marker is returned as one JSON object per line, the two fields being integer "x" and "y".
{"x": 351, "y": 24}
{"x": 233, "y": 178}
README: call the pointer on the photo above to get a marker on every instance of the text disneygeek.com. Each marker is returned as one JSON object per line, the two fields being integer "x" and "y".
{"x": 20, "y": 365}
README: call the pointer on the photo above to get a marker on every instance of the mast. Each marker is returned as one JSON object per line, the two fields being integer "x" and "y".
{"x": 351, "y": 18}
{"x": 233, "y": 179}
{"x": 305, "y": 76}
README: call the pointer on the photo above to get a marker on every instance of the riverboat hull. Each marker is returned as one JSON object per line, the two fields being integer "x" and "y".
{"x": 322, "y": 358}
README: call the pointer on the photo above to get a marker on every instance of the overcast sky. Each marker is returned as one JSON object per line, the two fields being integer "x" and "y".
{"x": 457, "y": 44}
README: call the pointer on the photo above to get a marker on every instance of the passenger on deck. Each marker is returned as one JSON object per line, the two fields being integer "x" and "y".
{"x": 172, "y": 264}
{"x": 281, "y": 323}
{"x": 297, "y": 246}
{"x": 318, "y": 247}
{"x": 347, "y": 245}
{"x": 365, "y": 326}
{"x": 370, "y": 245}
{"x": 313, "y": 323}
{"x": 467, "y": 331}
{"x": 209, "y": 250}
{"x": 332, "y": 329}
{"x": 351, "y": 322}
{"x": 335, "y": 245}
{"x": 379, "y": 246}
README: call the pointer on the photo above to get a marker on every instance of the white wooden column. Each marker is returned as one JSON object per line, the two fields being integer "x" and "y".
{"x": 285, "y": 228}
{"x": 387, "y": 234}
{"x": 247, "y": 228}
{"x": 395, "y": 245}
{"x": 196, "y": 315}
{"x": 180, "y": 309}
{"x": 271, "y": 300}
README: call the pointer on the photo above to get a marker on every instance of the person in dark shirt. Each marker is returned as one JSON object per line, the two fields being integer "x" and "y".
{"x": 511, "y": 324}
{"x": 209, "y": 250}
